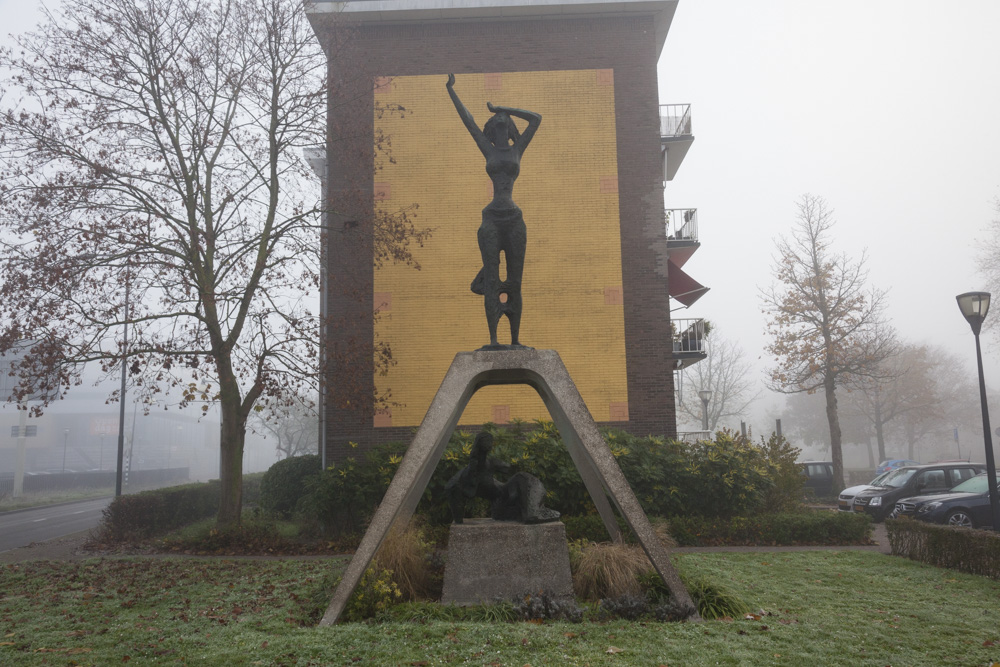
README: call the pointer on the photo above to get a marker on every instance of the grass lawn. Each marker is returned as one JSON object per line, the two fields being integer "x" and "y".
{"x": 821, "y": 608}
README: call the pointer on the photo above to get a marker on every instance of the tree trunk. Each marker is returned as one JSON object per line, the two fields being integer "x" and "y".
{"x": 871, "y": 454}
{"x": 231, "y": 441}
{"x": 832, "y": 416}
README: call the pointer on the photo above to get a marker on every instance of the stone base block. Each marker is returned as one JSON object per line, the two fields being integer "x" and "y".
{"x": 496, "y": 559}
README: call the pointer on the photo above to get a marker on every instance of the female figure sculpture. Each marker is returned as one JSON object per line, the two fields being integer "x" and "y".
{"x": 502, "y": 229}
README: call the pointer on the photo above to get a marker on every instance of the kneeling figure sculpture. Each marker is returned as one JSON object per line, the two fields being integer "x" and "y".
{"x": 518, "y": 499}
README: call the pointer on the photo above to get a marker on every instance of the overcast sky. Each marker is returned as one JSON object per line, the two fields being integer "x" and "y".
{"x": 890, "y": 109}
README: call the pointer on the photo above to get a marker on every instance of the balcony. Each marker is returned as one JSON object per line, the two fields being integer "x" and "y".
{"x": 682, "y": 233}
{"x": 688, "y": 341}
{"x": 675, "y": 136}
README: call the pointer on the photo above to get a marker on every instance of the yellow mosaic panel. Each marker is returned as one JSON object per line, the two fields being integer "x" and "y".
{"x": 568, "y": 192}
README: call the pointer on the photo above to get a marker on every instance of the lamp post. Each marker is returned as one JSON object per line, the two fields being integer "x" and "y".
{"x": 974, "y": 306}
{"x": 705, "y": 395}
{"x": 65, "y": 442}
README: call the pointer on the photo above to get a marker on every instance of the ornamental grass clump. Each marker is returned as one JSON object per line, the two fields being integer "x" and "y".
{"x": 607, "y": 570}
{"x": 410, "y": 557}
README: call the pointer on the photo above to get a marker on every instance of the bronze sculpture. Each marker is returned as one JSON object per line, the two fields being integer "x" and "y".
{"x": 502, "y": 228}
{"x": 518, "y": 499}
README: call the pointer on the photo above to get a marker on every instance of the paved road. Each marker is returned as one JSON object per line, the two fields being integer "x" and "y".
{"x": 21, "y": 528}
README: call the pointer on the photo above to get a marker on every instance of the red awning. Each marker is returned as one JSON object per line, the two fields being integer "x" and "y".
{"x": 682, "y": 287}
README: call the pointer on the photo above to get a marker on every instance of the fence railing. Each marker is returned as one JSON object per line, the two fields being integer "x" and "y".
{"x": 682, "y": 224}
{"x": 689, "y": 335}
{"x": 675, "y": 120}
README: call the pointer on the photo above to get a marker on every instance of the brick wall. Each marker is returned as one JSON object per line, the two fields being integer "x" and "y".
{"x": 623, "y": 48}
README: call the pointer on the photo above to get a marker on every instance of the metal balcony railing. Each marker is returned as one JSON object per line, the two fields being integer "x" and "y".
{"x": 675, "y": 120}
{"x": 688, "y": 335}
{"x": 682, "y": 224}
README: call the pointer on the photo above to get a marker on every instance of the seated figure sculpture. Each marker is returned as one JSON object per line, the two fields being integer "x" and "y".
{"x": 518, "y": 499}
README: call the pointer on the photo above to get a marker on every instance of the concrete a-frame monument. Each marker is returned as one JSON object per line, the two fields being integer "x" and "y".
{"x": 545, "y": 372}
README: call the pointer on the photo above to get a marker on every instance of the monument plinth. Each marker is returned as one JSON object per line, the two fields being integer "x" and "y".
{"x": 502, "y": 560}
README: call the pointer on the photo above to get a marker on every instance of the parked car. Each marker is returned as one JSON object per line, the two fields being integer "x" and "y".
{"x": 892, "y": 464}
{"x": 968, "y": 504}
{"x": 819, "y": 477}
{"x": 910, "y": 481}
{"x": 845, "y": 501}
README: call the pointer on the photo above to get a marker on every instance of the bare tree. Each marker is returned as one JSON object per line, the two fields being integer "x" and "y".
{"x": 727, "y": 374}
{"x": 825, "y": 325}
{"x": 954, "y": 407}
{"x": 152, "y": 179}
{"x": 293, "y": 427}
{"x": 905, "y": 384}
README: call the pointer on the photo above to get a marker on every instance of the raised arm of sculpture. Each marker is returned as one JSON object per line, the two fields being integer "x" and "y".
{"x": 463, "y": 113}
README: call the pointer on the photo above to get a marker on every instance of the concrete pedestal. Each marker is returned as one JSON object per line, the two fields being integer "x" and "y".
{"x": 490, "y": 560}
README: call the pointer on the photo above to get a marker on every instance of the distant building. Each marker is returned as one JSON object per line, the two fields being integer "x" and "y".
{"x": 603, "y": 264}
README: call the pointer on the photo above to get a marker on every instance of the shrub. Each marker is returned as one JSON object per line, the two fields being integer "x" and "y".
{"x": 342, "y": 498}
{"x": 251, "y": 488}
{"x": 729, "y": 476}
{"x": 785, "y": 528}
{"x": 284, "y": 483}
{"x": 149, "y": 513}
{"x": 963, "y": 549}
{"x": 141, "y": 515}
{"x": 375, "y": 593}
{"x": 590, "y": 528}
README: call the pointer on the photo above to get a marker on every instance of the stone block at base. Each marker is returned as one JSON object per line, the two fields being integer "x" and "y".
{"x": 496, "y": 559}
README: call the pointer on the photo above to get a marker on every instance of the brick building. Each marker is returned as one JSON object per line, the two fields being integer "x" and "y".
{"x": 603, "y": 257}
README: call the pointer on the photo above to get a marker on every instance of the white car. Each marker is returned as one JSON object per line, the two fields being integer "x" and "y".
{"x": 845, "y": 501}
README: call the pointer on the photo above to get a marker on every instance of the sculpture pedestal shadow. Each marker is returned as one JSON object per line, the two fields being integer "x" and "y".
{"x": 544, "y": 371}
{"x": 501, "y": 560}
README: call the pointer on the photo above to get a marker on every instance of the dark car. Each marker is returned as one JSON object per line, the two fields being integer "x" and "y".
{"x": 910, "y": 481}
{"x": 968, "y": 504}
{"x": 819, "y": 477}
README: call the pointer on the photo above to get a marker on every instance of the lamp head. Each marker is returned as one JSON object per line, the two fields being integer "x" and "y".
{"x": 705, "y": 395}
{"x": 974, "y": 306}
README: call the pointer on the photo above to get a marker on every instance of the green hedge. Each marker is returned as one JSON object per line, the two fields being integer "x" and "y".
{"x": 150, "y": 513}
{"x": 779, "y": 529}
{"x": 728, "y": 476}
{"x": 963, "y": 549}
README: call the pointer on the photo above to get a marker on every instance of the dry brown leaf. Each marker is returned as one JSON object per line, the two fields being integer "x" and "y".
{"x": 614, "y": 649}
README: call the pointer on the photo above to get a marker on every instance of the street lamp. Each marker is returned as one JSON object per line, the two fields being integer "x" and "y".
{"x": 974, "y": 306}
{"x": 705, "y": 395}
